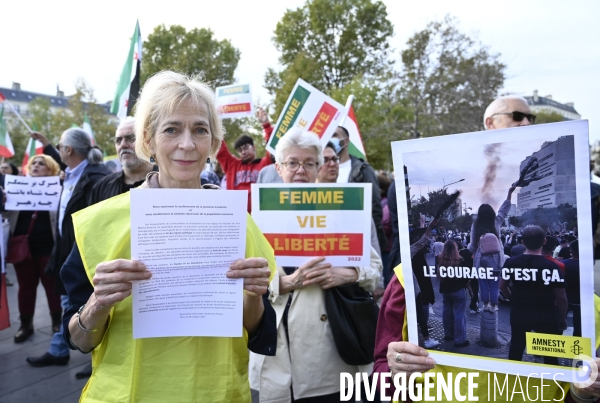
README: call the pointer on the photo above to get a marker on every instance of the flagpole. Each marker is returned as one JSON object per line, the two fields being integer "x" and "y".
{"x": 348, "y": 105}
{"x": 18, "y": 115}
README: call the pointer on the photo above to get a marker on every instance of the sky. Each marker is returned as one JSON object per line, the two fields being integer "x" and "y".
{"x": 552, "y": 46}
{"x": 425, "y": 176}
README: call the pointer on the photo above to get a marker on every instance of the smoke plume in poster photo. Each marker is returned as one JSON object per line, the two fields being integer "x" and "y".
{"x": 484, "y": 287}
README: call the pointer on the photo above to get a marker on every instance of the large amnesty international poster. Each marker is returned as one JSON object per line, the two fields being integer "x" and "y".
{"x": 496, "y": 244}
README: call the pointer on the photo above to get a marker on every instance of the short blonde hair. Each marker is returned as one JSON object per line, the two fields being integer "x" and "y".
{"x": 161, "y": 96}
{"x": 52, "y": 165}
{"x": 298, "y": 138}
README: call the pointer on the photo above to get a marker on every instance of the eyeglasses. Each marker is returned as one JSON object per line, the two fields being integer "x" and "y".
{"x": 130, "y": 138}
{"x": 293, "y": 166}
{"x": 327, "y": 160}
{"x": 519, "y": 116}
{"x": 245, "y": 147}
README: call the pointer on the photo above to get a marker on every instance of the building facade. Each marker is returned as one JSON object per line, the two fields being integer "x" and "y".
{"x": 547, "y": 104}
{"x": 20, "y": 100}
{"x": 556, "y": 161}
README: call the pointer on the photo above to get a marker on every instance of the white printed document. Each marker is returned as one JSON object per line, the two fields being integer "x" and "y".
{"x": 187, "y": 239}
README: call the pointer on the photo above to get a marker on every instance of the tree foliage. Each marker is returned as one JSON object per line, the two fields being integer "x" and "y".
{"x": 429, "y": 205}
{"x": 194, "y": 52}
{"x": 547, "y": 117}
{"x": 448, "y": 80}
{"x": 52, "y": 122}
{"x": 328, "y": 43}
{"x": 563, "y": 217}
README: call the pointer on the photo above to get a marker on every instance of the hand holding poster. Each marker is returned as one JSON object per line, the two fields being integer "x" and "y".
{"x": 235, "y": 101}
{"x": 308, "y": 109}
{"x": 27, "y": 193}
{"x": 306, "y": 221}
{"x": 530, "y": 182}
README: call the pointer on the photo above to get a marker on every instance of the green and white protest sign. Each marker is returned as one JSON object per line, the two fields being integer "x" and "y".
{"x": 302, "y": 221}
{"x": 235, "y": 101}
{"x": 308, "y": 109}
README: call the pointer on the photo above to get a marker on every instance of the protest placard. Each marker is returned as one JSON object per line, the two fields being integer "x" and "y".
{"x": 308, "y": 109}
{"x": 235, "y": 101}
{"x": 532, "y": 183}
{"x": 27, "y": 193}
{"x": 305, "y": 221}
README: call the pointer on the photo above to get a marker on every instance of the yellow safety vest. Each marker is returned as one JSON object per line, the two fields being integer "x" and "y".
{"x": 531, "y": 390}
{"x": 169, "y": 369}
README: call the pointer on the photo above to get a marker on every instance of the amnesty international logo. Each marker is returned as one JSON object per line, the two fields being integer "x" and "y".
{"x": 576, "y": 349}
{"x": 585, "y": 370}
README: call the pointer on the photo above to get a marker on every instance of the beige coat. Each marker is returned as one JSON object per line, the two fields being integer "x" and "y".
{"x": 312, "y": 364}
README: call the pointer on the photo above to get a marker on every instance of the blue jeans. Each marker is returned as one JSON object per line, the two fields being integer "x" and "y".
{"x": 58, "y": 346}
{"x": 489, "y": 290}
{"x": 455, "y": 322}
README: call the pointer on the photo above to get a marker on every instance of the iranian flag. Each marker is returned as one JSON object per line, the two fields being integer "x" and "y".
{"x": 87, "y": 127}
{"x": 34, "y": 147}
{"x": 129, "y": 83}
{"x": 6, "y": 148}
{"x": 355, "y": 147}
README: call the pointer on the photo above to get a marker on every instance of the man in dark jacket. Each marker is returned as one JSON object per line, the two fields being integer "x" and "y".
{"x": 357, "y": 170}
{"x": 83, "y": 167}
{"x": 131, "y": 176}
{"x": 134, "y": 169}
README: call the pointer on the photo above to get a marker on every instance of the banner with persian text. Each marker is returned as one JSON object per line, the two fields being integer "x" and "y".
{"x": 308, "y": 109}
{"x": 302, "y": 221}
{"x": 32, "y": 193}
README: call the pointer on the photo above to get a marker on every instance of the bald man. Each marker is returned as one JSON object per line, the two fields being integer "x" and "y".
{"x": 506, "y": 112}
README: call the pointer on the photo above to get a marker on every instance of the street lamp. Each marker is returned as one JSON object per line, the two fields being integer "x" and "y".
{"x": 452, "y": 183}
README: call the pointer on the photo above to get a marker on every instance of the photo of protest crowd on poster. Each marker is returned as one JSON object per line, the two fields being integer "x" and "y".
{"x": 490, "y": 239}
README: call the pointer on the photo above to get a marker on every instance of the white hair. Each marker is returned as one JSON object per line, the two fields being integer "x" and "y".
{"x": 296, "y": 137}
{"x": 499, "y": 105}
{"x": 128, "y": 121}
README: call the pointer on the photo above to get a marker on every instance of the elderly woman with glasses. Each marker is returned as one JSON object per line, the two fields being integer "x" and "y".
{"x": 177, "y": 127}
{"x": 307, "y": 366}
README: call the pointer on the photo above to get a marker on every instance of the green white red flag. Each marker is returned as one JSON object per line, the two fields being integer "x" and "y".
{"x": 355, "y": 147}
{"x": 87, "y": 127}
{"x": 6, "y": 147}
{"x": 33, "y": 148}
{"x": 129, "y": 83}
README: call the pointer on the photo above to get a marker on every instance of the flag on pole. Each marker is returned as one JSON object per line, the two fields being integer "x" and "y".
{"x": 87, "y": 127}
{"x": 129, "y": 83}
{"x": 6, "y": 147}
{"x": 355, "y": 147}
{"x": 33, "y": 148}
{"x": 3, "y": 99}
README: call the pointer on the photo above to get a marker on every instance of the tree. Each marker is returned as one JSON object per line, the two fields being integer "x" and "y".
{"x": 545, "y": 116}
{"x": 448, "y": 80}
{"x": 53, "y": 122}
{"x": 380, "y": 115}
{"x": 328, "y": 43}
{"x": 429, "y": 206}
{"x": 195, "y": 52}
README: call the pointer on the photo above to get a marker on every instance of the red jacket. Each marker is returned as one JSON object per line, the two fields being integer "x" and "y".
{"x": 240, "y": 175}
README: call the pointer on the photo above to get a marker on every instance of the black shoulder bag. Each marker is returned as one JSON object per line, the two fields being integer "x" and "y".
{"x": 352, "y": 314}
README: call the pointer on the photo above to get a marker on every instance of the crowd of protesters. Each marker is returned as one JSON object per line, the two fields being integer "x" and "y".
{"x": 288, "y": 345}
